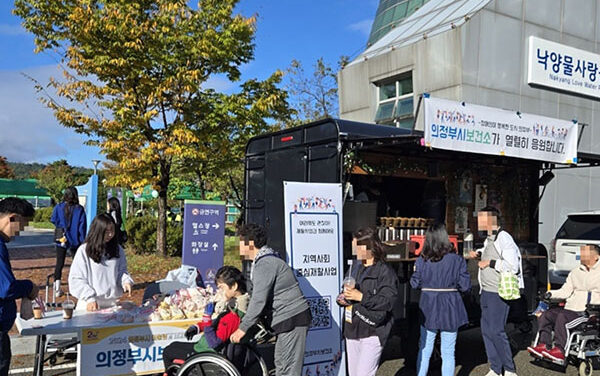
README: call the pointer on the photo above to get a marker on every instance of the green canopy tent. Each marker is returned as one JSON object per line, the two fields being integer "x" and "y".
{"x": 25, "y": 189}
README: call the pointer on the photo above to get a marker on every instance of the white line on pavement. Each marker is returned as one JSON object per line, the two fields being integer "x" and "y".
{"x": 29, "y": 370}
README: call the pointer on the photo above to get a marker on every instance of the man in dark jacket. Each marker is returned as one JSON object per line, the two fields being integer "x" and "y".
{"x": 277, "y": 294}
{"x": 14, "y": 216}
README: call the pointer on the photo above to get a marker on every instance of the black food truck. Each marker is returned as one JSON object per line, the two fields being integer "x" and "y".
{"x": 392, "y": 181}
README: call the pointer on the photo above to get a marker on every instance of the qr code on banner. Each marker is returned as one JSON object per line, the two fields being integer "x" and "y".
{"x": 320, "y": 311}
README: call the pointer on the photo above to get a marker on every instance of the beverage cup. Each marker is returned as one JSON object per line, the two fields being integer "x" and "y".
{"x": 37, "y": 311}
{"x": 68, "y": 306}
{"x": 349, "y": 283}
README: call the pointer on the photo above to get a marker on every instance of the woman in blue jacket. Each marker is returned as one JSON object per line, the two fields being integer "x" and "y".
{"x": 71, "y": 225}
{"x": 441, "y": 275}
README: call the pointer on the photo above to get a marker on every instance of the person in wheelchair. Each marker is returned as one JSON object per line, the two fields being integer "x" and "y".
{"x": 232, "y": 284}
{"x": 581, "y": 288}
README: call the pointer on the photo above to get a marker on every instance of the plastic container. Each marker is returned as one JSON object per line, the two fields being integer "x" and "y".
{"x": 68, "y": 306}
{"x": 419, "y": 240}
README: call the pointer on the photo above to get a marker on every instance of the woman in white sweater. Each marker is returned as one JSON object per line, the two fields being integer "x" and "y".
{"x": 98, "y": 275}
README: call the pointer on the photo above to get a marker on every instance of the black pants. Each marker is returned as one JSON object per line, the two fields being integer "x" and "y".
{"x": 177, "y": 350}
{"x": 558, "y": 319}
{"x": 5, "y": 353}
{"x": 61, "y": 254}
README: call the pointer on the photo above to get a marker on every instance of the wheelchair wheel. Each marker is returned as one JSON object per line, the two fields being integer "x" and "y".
{"x": 208, "y": 365}
{"x": 254, "y": 365}
{"x": 586, "y": 368}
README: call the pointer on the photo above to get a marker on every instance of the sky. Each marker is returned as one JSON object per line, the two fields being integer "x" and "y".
{"x": 304, "y": 30}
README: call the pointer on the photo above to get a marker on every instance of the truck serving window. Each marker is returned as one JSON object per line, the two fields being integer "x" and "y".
{"x": 583, "y": 227}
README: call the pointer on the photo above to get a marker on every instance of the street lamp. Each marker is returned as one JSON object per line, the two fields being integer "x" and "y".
{"x": 96, "y": 162}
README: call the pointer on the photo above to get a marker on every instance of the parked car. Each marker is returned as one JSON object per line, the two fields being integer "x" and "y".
{"x": 579, "y": 229}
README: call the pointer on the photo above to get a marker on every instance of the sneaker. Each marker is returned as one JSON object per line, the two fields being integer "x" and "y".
{"x": 537, "y": 350}
{"x": 492, "y": 373}
{"x": 555, "y": 354}
{"x": 510, "y": 373}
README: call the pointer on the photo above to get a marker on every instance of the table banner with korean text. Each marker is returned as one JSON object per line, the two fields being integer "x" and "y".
{"x": 134, "y": 349}
{"x": 560, "y": 67}
{"x": 460, "y": 126}
{"x": 313, "y": 223}
{"x": 204, "y": 237}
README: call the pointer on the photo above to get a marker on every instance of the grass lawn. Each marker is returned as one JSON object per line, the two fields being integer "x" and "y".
{"x": 232, "y": 254}
{"x": 41, "y": 225}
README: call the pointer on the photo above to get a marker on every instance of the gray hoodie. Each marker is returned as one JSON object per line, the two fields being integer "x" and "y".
{"x": 275, "y": 290}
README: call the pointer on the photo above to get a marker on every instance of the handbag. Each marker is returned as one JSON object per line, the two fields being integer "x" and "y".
{"x": 372, "y": 318}
{"x": 59, "y": 236}
{"x": 508, "y": 287}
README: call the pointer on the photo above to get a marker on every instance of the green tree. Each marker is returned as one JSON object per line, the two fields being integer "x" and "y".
{"x": 313, "y": 95}
{"x": 135, "y": 82}
{"x": 57, "y": 176}
{"x": 6, "y": 171}
{"x": 26, "y": 170}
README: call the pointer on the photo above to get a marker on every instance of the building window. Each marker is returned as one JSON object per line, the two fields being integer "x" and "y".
{"x": 395, "y": 102}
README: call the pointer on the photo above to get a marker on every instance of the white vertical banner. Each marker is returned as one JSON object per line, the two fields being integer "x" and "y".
{"x": 313, "y": 236}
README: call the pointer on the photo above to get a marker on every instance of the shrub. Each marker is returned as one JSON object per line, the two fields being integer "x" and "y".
{"x": 43, "y": 214}
{"x": 141, "y": 234}
{"x": 230, "y": 229}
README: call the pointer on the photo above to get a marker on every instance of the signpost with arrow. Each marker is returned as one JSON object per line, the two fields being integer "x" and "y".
{"x": 204, "y": 237}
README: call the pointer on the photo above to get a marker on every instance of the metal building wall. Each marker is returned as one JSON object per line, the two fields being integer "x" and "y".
{"x": 484, "y": 61}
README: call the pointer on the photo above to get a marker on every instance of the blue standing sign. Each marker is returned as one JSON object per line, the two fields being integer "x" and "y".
{"x": 204, "y": 237}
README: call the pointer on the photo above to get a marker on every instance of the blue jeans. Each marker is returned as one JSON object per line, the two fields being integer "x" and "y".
{"x": 426, "y": 343}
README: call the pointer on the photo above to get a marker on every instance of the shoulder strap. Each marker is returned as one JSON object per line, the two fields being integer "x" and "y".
{"x": 500, "y": 251}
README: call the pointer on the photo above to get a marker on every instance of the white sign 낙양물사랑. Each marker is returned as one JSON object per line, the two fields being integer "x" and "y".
{"x": 313, "y": 236}
{"x": 557, "y": 66}
{"x": 457, "y": 126}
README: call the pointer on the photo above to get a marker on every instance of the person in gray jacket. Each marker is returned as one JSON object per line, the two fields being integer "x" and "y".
{"x": 276, "y": 295}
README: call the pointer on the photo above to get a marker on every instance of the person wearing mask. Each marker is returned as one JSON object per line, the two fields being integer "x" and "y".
{"x": 582, "y": 287}
{"x": 276, "y": 293}
{"x": 232, "y": 285}
{"x": 441, "y": 275}
{"x": 368, "y": 305}
{"x": 71, "y": 224}
{"x": 500, "y": 253}
{"x": 98, "y": 275}
{"x": 114, "y": 209}
{"x": 15, "y": 213}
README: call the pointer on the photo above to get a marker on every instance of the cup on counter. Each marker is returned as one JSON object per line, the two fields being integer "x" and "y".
{"x": 38, "y": 312}
{"x": 68, "y": 306}
{"x": 349, "y": 282}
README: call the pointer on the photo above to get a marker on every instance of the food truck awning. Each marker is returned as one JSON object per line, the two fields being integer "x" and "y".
{"x": 328, "y": 130}
{"x": 381, "y": 138}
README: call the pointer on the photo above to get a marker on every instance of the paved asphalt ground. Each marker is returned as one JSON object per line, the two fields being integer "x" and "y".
{"x": 470, "y": 353}
{"x": 470, "y": 359}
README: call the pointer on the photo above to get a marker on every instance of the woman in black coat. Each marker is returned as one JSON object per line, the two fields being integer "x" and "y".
{"x": 368, "y": 304}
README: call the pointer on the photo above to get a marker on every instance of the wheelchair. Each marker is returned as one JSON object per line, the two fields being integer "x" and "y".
{"x": 233, "y": 359}
{"x": 583, "y": 345}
